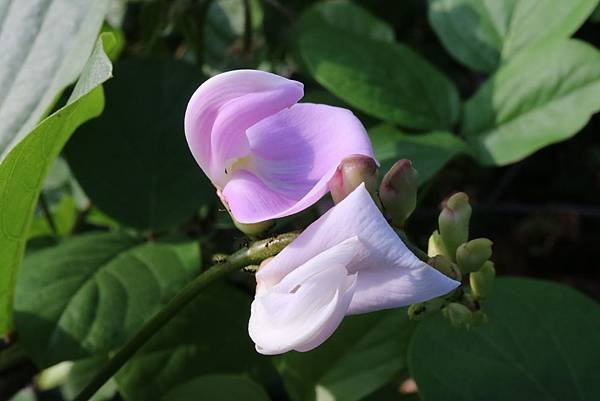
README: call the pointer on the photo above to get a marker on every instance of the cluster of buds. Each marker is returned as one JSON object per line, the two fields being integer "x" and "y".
{"x": 452, "y": 253}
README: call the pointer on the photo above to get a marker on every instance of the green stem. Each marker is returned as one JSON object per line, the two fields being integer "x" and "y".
{"x": 254, "y": 254}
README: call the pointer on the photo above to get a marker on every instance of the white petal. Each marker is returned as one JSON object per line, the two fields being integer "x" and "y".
{"x": 306, "y": 307}
{"x": 390, "y": 274}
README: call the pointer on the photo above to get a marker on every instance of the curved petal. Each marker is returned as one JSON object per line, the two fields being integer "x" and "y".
{"x": 305, "y": 308}
{"x": 389, "y": 274}
{"x": 224, "y": 106}
{"x": 295, "y": 153}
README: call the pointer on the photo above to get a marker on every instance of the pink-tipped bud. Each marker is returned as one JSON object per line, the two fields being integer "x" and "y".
{"x": 454, "y": 222}
{"x": 351, "y": 172}
{"x": 398, "y": 191}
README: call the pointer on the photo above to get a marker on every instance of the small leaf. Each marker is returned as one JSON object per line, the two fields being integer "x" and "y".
{"x": 541, "y": 343}
{"x": 217, "y": 388}
{"x": 364, "y": 354}
{"x": 540, "y": 97}
{"x": 483, "y": 33}
{"x": 429, "y": 152}
{"x": 23, "y": 170}
{"x": 386, "y": 80}
{"x": 44, "y": 47}
{"x": 93, "y": 292}
{"x": 133, "y": 162}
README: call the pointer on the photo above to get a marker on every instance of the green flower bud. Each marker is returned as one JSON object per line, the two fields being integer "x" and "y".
{"x": 458, "y": 314}
{"x": 483, "y": 281}
{"x": 471, "y": 256}
{"x": 351, "y": 172}
{"x": 423, "y": 309}
{"x": 436, "y": 246}
{"x": 398, "y": 191}
{"x": 445, "y": 266}
{"x": 255, "y": 229}
{"x": 454, "y": 222}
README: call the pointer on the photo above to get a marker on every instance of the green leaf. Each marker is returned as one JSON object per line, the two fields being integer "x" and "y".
{"x": 23, "y": 170}
{"x": 93, "y": 292}
{"x": 346, "y": 16}
{"x": 483, "y": 33}
{"x": 81, "y": 374}
{"x": 64, "y": 215}
{"x": 133, "y": 162}
{"x": 540, "y": 97}
{"x": 210, "y": 336}
{"x": 386, "y": 80}
{"x": 44, "y": 47}
{"x": 541, "y": 343}
{"x": 363, "y": 354}
{"x": 217, "y": 388}
{"x": 429, "y": 152}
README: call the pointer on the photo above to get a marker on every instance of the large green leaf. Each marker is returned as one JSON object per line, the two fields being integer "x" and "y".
{"x": 540, "y": 97}
{"x": 483, "y": 33}
{"x": 345, "y": 15}
{"x": 23, "y": 170}
{"x": 429, "y": 152}
{"x": 386, "y": 80}
{"x": 133, "y": 162}
{"x": 44, "y": 47}
{"x": 363, "y": 355}
{"x": 93, "y": 292}
{"x": 541, "y": 343}
{"x": 217, "y": 388}
{"x": 210, "y": 336}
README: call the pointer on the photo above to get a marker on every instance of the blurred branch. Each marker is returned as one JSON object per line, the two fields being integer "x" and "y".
{"x": 251, "y": 255}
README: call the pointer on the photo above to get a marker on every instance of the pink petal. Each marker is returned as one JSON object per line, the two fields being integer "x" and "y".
{"x": 295, "y": 153}
{"x": 389, "y": 274}
{"x": 224, "y": 106}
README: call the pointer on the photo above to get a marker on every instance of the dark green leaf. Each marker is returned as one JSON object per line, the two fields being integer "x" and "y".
{"x": 540, "y": 97}
{"x": 23, "y": 170}
{"x": 541, "y": 343}
{"x": 346, "y": 16}
{"x": 386, "y": 80}
{"x": 93, "y": 292}
{"x": 483, "y": 33}
{"x": 133, "y": 162}
{"x": 363, "y": 354}
{"x": 429, "y": 152}
{"x": 217, "y": 388}
{"x": 210, "y": 336}
{"x": 44, "y": 47}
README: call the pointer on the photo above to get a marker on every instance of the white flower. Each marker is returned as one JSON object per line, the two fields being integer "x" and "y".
{"x": 347, "y": 262}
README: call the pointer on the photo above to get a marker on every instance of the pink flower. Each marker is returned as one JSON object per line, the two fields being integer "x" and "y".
{"x": 347, "y": 262}
{"x": 267, "y": 155}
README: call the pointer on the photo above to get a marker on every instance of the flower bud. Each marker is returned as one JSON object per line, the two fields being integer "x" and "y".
{"x": 471, "y": 255}
{"x": 458, "y": 314}
{"x": 351, "y": 172}
{"x": 445, "y": 266}
{"x": 255, "y": 229}
{"x": 436, "y": 246}
{"x": 398, "y": 191}
{"x": 454, "y": 222}
{"x": 483, "y": 281}
{"x": 423, "y": 309}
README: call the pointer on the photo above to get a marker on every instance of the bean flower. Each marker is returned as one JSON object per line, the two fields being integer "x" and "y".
{"x": 267, "y": 155}
{"x": 349, "y": 261}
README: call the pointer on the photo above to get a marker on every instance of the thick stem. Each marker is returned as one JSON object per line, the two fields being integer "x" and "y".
{"x": 254, "y": 254}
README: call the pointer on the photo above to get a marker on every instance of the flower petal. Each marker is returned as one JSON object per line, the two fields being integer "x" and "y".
{"x": 295, "y": 153}
{"x": 224, "y": 106}
{"x": 389, "y": 274}
{"x": 305, "y": 308}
